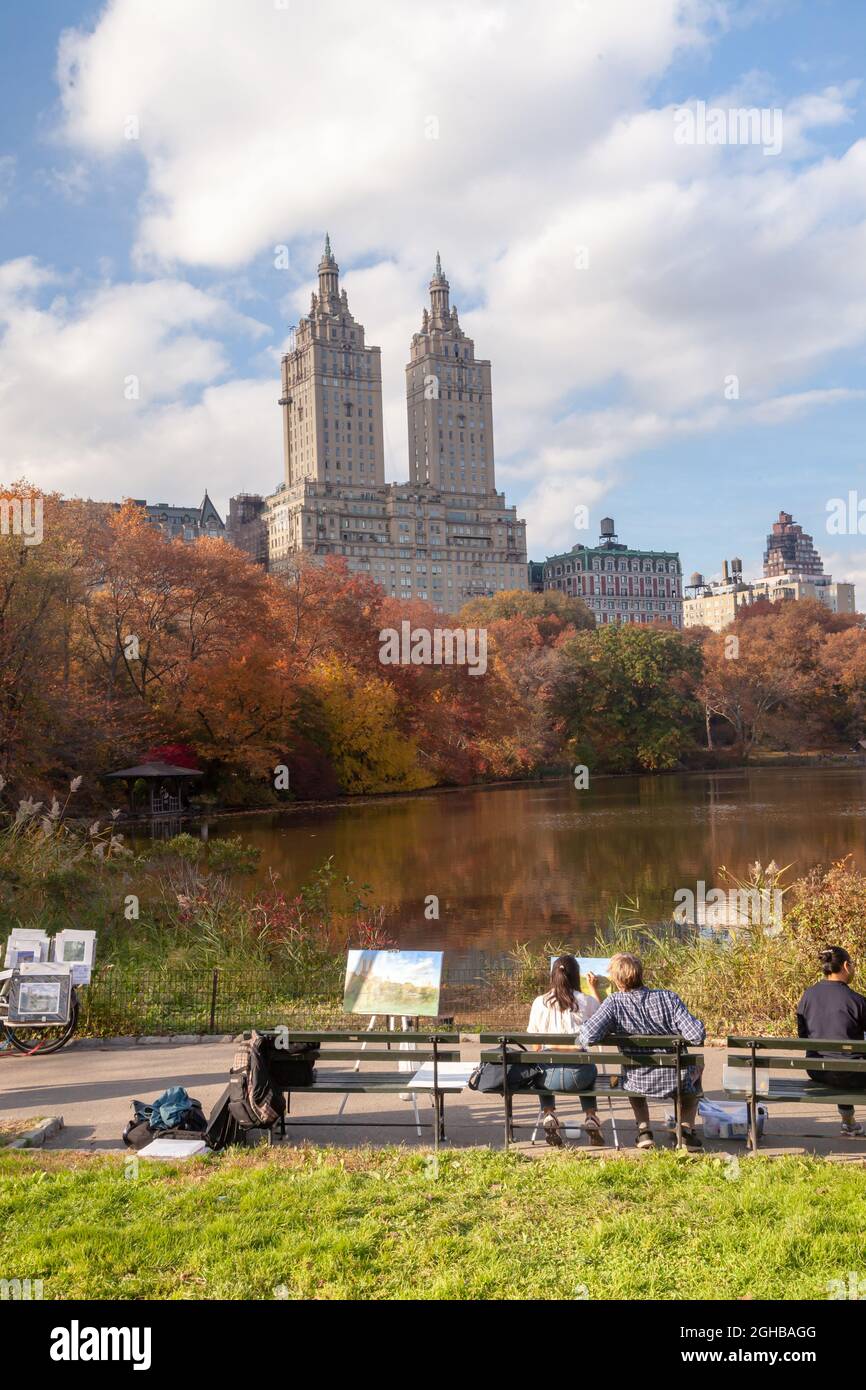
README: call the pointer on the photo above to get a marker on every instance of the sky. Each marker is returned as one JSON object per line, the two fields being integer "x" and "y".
{"x": 675, "y": 313}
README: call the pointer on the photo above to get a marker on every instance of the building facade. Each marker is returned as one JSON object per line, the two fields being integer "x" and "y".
{"x": 793, "y": 569}
{"x": 449, "y": 402}
{"x": 246, "y": 527}
{"x": 790, "y": 552}
{"x": 620, "y": 584}
{"x": 177, "y": 523}
{"x": 445, "y": 536}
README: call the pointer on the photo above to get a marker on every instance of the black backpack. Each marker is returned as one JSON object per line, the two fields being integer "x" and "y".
{"x": 254, "y": 1096}
{"x": 290, "y": 1064}
{"x": 261, "y": 1071}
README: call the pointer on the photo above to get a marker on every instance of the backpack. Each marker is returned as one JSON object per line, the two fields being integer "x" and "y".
{"x": 255, "y": 1102}
{"x": 222, "y": 1128}
{"x": 292, "y": 1064}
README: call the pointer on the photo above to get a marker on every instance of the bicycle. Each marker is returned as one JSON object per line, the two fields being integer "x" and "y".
{"x": 36, "y": 1040}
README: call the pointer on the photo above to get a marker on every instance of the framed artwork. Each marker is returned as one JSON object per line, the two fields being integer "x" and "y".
{"x": 40, "y": 996}
{"x": 77, "y": 949}
{"x": 393, "y": 982}
{"x": 26, "y": 944}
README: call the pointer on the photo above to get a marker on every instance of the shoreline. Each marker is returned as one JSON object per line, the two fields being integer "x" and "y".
{"x": 819, "y": 762}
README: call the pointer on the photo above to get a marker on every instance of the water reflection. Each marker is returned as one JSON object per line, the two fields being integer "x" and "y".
{"x": 535, "y": 862}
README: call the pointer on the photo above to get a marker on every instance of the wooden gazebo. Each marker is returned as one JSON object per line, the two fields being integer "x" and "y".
{"x": 165, "y": 782}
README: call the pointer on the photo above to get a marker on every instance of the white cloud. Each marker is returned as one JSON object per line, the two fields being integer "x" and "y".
{"x": 258, "y": 125}
{"x": 117, "y": 392}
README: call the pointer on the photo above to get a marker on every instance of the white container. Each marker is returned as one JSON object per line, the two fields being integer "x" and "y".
{"x": 728, "y": 1119}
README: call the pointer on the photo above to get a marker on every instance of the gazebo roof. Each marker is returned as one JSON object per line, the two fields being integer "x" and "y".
{"x": 156, "y": 770}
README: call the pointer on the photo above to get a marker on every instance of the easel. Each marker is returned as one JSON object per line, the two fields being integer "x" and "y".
{"x": 407, "y": 1025}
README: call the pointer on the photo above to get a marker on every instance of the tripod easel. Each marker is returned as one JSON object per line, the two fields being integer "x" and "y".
{"x": 407, "y": 1025}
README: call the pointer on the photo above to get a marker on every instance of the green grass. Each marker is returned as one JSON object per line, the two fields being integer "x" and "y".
{"x": 364, "y": 1224}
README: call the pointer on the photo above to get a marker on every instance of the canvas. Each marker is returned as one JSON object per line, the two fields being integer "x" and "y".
{"x": 596, "y": 965}
{"x": 393, "y": 982}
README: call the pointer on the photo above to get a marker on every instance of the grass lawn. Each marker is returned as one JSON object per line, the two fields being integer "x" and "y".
{"x": 381, "y": 1224}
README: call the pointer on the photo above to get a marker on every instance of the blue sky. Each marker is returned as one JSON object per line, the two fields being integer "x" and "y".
{"x": 153, "y": 257}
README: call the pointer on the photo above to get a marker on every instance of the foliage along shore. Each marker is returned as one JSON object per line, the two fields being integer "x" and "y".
{"x": 115, "y": 641}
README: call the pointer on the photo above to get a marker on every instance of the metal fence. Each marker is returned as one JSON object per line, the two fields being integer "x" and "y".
{"x": 489, "y": 993}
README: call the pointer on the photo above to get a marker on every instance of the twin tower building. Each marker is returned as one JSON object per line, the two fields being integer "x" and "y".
{"x": 446, "y": 535}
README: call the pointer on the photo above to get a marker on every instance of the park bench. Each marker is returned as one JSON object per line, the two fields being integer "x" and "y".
{"x": 645, "y": 1051}
{"x": 352, "y": 1050}
{"x": 754, "y": 1055}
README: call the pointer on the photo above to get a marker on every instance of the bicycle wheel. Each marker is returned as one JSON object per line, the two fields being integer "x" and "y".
{"x": 39, "y": 1042}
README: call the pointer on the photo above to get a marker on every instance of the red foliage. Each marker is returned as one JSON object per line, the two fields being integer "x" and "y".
{"x": 176, "y": 754}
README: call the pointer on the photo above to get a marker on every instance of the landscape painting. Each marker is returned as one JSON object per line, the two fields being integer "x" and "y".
{"x": 393, "y": 982}
{"x": 596, "y": 965}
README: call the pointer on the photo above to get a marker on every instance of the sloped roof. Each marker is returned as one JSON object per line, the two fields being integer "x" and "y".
{"x": 156, "y": 770}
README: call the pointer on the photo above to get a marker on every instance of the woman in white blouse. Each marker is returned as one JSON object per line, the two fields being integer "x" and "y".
{"x": 563, "y": 1010}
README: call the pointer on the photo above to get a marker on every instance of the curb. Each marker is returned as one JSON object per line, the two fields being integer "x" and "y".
{"x": 35, "y": 1138}
{"x": 169, "y": 1040}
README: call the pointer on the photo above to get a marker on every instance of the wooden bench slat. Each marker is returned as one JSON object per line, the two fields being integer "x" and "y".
{"x": 614, "y": 1039}
{"x": 840, "y": 1064}
{"x": 790, "y": 1089}
{"x": 800, "y": 1044}
{"x": 579, "y": 1059}
{"x": 350, "y": 1054}
{"x": 357, "y": 1081}
{"x": 353, "y": 1037}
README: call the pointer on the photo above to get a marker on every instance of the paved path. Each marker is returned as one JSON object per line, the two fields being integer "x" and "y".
{"x": 92, "y": 1088}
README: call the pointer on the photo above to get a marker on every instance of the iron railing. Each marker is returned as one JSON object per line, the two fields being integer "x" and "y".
{"x": 488, "y": 993}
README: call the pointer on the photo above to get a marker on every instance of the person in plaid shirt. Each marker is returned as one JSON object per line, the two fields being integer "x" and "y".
{"x": 637, "y": 1011}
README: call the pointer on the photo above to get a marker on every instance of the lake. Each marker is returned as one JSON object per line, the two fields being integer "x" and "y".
{"x": 545, "y": 861}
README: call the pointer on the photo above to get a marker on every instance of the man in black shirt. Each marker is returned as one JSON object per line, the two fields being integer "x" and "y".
{"x": 831, "y": 1009}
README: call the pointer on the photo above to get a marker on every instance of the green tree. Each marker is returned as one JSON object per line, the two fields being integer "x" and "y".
{"x": 624, "y": 697}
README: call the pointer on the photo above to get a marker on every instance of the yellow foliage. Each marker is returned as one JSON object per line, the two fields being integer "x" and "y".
{"x": 368, "y": 752}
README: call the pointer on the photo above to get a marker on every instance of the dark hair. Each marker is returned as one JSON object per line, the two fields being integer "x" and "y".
{"x": 832, "y": 959}
{"x": 565, "y": 981}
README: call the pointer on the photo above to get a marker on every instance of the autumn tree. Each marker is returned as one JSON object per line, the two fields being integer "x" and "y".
{"x": 624, "y": 697}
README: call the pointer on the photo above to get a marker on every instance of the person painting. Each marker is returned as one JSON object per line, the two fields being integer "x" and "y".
{"x": 638, "y": 1011}
{"x": 832, "y": 1009}
{"x": 564, "y": 1009}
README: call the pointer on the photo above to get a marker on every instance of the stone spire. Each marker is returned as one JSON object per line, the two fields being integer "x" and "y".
{"x": 329, "y": 277}
{"x": 439, "y": 289}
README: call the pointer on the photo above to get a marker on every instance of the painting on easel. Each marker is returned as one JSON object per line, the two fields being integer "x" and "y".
{"x": 393, "y": 982}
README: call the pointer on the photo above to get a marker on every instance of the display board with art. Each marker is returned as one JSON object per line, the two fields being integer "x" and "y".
{"x": 40, "y": 994}
{"x": 393, "y": 982}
